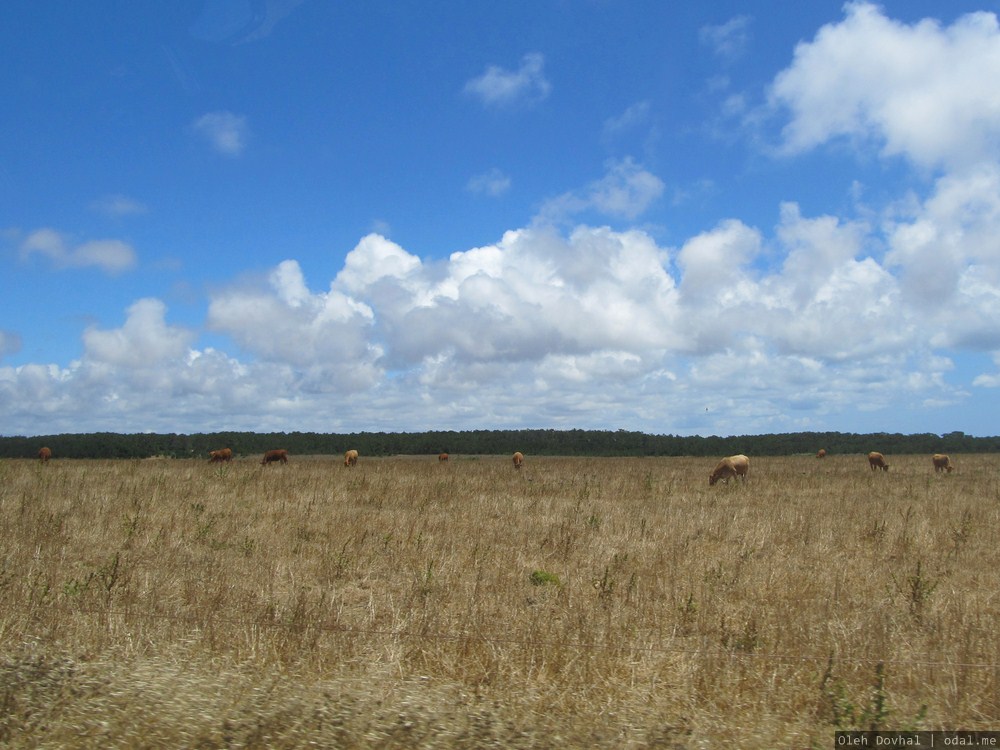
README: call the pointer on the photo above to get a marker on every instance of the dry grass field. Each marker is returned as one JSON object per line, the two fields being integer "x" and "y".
{"x": 577, "y": 602}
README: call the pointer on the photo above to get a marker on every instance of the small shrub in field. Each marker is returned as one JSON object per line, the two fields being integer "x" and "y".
{"x": 867, "y": 711}
{"x": 918, "y": 589}
{"x": 543, "y": 578}
{"x": 688, "y": 615}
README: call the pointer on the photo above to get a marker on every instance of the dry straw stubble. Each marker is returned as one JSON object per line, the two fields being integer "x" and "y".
{"x": 608, "y": 602}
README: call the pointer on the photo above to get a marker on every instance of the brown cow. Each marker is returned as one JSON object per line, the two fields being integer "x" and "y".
{"x": 942, "y": 463}
{"x": 821, "y": 453}
{"x": 351, "y": 458}
{"x": 733, "y": 466}
{"x": 518, "y": 459}
{"x": 223, "y": 454}
{"x": 442, "y": 457}
{"x": 276, "y": 455}
{"x": 877, "y": 461}
{"x": 44, "y": 454}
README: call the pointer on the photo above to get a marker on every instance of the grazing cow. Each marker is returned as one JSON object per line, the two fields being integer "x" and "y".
{"x": 518, "y": 459}
{"x": 942, "y": 463}
{"x": 734, "y": 466}
{"x": 44, "y": 454}
{"x": 221, "y": 455}
{"x": 276, "y": 455}
{"x": 821, "y": 453}
{"x": 351, "y": 458}
{"x": 442, "y": 457}
{"x": 877, "y": 461}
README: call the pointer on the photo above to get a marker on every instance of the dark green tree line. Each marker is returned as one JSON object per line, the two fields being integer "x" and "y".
{"x": 488, "y": 442}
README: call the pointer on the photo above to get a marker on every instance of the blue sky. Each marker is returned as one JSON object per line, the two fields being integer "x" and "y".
{"x": 715, "y": 218}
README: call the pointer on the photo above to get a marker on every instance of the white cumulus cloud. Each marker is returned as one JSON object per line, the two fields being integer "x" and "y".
{"x": 541, "y": 327}
{"x": 145, "y": 340}
{"x": 922, "y": 91}
{"x": 322, "y": 335}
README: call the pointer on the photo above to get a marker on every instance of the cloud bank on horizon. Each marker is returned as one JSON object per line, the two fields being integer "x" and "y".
{"x": 875, "y": 310}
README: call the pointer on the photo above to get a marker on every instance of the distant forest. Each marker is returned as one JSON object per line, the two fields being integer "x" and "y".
{"x": 471, "y": 442}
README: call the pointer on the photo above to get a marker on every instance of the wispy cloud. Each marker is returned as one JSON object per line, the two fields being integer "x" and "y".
{"x": 118, "y": 206}
{"x": 493, "y": 183}
{"x": 239, "y": 23}
{"x": 728, "y": 40}
{"x": 625, "y": 191}
{"x": 635, "y": 116}
{"x": 111, "y": 256}
{"x": 226, "y": 132}
{"x": 498, "y": 87}
{"x": 10, "y": 343}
